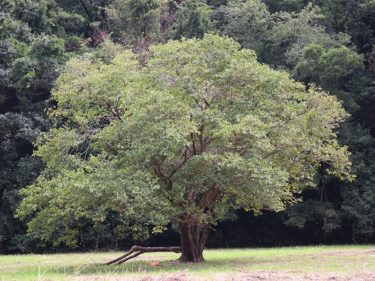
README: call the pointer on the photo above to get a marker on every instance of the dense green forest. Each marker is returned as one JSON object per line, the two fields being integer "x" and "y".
{"x": 330, "y": 44}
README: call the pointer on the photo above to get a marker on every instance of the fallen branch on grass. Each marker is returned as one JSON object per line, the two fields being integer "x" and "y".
{"x": 138, "y": 250}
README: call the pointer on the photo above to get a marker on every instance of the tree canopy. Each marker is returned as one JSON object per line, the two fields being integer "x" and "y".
{"x": 198, "y": 130}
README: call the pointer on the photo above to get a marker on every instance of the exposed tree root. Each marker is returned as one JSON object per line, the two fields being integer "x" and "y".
{"x": 138, "y": 250}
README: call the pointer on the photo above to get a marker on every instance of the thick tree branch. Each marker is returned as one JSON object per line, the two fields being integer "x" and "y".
{"x": 185, "y": 155}
{"x": 159, "y": 171}
{"x": 138, "y": 250}
{"x": 114, "y": 110}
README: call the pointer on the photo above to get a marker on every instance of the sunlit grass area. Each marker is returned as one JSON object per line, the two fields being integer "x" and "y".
{"x": 325, "y": 260}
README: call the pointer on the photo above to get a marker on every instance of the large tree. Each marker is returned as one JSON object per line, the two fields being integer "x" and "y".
{"x": 198, "y": 130}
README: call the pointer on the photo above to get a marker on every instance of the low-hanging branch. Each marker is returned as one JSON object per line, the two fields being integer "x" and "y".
{"x": 138, "y": 250}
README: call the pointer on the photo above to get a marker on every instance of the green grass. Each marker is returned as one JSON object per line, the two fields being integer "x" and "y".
{"x": 322, "y": 259}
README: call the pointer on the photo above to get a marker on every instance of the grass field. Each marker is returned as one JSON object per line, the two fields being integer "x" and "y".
{"x": 295, "y": 263}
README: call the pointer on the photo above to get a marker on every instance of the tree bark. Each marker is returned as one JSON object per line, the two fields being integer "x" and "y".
{"x": 193, "y": 242}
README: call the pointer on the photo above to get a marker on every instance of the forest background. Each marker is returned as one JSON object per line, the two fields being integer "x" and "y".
{"x": 330, "y": 43}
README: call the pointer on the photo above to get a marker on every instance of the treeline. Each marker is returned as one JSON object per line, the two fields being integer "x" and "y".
{"x": 328, "y": 43}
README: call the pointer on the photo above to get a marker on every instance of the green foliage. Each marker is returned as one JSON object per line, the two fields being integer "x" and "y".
{"x": 355, "y": 18}
{"x": 279, "y": 38}
{"x": 249, "y": 22}
{"x": 358, "y": 197}
{"x": 312, "y": 211}
{"x": 292, "y": 32}
{"x": 17, "y": 132}
{"x": 330, "y": 61}
{"x": 193, "y": 19}
{"x": 338, "y": 70}
{"x": 38, "y": 68}
{"x": 290, "y": 5}
{"x": 29, "y": 65}
{"x": 155, "y": 143}
{"x": 349, "y": 16}
{"x": 326, "y": 43}
{"x": 133, "y": 21}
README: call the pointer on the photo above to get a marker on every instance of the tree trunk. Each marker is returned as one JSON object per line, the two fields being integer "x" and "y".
{"x": 193, "y": 242}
